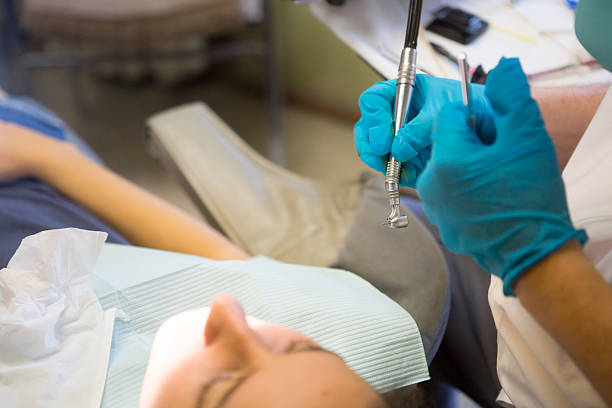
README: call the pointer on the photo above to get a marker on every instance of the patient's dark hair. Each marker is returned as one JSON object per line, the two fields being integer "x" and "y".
{"x": 411, "y": 396}
{"x": 381, "y": 403}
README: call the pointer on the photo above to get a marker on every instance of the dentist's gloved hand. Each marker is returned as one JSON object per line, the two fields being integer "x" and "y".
{"x": 374, "y": 138}
{"x": 503, "y": 203}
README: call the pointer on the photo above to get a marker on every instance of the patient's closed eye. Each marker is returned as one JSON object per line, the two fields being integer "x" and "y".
{"x": 221, "y": 387}
{"x": 302, "y": 346}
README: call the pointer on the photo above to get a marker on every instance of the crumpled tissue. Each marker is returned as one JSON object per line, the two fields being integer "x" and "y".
{"x": 54, "y": 336}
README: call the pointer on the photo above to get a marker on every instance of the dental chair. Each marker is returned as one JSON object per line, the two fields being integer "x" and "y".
{"x": 140, "y": 22}
{"x": 260, "y": 206}
{"x": 270, "y": 211}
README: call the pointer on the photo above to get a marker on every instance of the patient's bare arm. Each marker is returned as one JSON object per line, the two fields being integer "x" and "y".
{"x": 141, "y": 217}
{"x": 567, "y": 112}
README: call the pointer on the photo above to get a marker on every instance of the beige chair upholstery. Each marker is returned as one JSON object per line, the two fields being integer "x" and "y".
{"x": 262, "y": 207}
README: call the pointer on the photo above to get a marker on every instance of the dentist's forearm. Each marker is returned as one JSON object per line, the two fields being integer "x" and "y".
{"x": 567, "y": 112}
{"x": 573, "y": 303}
{"x": 141, "y": 217}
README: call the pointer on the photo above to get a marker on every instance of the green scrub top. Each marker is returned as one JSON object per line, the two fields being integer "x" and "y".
{"x": 594, "y": 29}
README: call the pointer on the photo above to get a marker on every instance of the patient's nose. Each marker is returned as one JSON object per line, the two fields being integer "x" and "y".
{"x": 228, "y": 330}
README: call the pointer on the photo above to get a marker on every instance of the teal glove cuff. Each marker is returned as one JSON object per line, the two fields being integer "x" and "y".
{"x": 535, "y": 255}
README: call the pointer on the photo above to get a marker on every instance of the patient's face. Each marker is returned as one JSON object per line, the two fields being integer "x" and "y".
{"x": 218, "y": 357}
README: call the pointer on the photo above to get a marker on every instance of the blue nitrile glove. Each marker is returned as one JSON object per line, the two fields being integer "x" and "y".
{"x": 503, "y": 203}
{"x": 374, "y": 138}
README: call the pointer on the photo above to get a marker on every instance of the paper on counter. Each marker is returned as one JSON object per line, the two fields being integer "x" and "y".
{"x": 375, "y": 30}
{"x": 54, "y": 336}
{"x": 510, "y": 34}
{"x": 547, "y": 16}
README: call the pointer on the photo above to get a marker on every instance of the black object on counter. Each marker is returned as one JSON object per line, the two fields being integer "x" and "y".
{"x": 457, "y": 25}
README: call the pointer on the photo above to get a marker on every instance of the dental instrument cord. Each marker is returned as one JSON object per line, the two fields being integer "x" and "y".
{"x": 414, "y": 21}
{"x": 406, "y": 78}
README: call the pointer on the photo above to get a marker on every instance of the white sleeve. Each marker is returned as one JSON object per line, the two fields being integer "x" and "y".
{"x": 533, "y": 369}
{"x": 588, "y": 182}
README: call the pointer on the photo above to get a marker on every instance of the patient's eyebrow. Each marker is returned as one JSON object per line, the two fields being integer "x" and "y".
{"x": 234, "y": 387}
{"x": 298, "y": 347}
{"x": 224, "y": 376}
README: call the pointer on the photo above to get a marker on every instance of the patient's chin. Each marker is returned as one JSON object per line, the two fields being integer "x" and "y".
{"x": 2, "y": 93}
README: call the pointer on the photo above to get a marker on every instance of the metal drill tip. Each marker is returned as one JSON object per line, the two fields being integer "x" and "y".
{"x": 397, "y": 222}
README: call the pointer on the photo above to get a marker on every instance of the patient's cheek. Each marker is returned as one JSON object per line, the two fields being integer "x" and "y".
{"x": 182, "y": 334}
{"x": 178, "y": 363}
{"x": 177, "y": 342}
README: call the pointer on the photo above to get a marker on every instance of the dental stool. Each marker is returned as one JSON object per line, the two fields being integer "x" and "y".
{"x": 267, "y": 210}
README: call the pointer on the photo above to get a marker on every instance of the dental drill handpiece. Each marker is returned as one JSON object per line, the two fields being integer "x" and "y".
{"x": 406, "y": 77}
